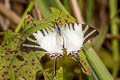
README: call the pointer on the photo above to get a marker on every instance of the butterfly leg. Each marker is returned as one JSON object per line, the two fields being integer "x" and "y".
{"x": 55, "y": 63}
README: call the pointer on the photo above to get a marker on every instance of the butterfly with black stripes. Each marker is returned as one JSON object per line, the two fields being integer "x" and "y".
{"x": 54, "y": 40}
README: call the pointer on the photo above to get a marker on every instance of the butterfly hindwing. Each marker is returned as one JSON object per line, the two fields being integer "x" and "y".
{"x": 83, "y": 61}
{"x": 89, "y": 32}
{"x": 76, "y": 35}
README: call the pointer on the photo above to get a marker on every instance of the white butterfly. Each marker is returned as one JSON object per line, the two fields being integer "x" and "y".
{"x": 62, "y": 38}
{"x": 54, "y": 40}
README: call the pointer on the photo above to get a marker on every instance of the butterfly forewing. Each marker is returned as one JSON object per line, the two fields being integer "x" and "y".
{"x": 44, "y": 40}
{"x": 30, "y": 44}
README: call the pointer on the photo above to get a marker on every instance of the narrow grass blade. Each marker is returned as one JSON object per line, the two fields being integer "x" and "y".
{"x": 100, "y": 38}
{"x": 45, "y": 6}
{"x": 30, "y": 6}
{"x": 96, "y": 63}
{"x": 114, "y": 30}
{"x": 90, "y": 7}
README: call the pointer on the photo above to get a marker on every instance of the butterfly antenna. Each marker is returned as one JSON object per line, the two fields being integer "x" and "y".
{"x": 55, "y": 63}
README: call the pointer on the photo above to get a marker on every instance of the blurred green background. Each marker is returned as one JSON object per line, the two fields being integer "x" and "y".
{"x": 104, "y": 15}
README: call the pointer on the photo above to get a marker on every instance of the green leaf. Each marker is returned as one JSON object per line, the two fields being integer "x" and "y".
{"x": 67, "y": 6}
{"x": 9, "y": 36}
{"x": 90, "y": 8}
{"x": 59, "y": 75}
{"x": 57, "y": 16}
{"x": 100, "y": 38}
{"x": 96, "y": 63}
{"x": 14, "y": 63}
{"x": 45, "y": 6}
{"x": 114, "y": 31}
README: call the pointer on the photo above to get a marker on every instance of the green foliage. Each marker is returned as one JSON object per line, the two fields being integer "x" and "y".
{"x": 59, "y": 75}
{"x": 66, "y": 4}
{"x": 90, "y": 8}
{"x": 100, "y": 38}
{"x": 30, "y": 6}
{"x": 9, "y": 36}
{"x": 56, "y": 16}
{"x": 14, "y": 63}
{"x": 45, "y": 6}
{"x": 96, "y": 63}
{"x": 115, "y": 31}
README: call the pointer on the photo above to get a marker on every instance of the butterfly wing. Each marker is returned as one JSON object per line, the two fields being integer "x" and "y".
{"x": 45, "y": 40}
{"x": 75, "y": 35}
{"x": 89, "y": 32}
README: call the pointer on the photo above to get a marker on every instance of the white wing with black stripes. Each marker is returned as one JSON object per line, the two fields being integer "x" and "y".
{"x": 75, "y": 35}
{"x": 43, "y": 40}
{"x": 53, "y": 40}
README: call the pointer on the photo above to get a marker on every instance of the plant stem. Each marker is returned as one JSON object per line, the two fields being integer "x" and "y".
{"x": 114, "y": 30}
{"x": 30, "y": 6}
{"x": 90, "y": 6}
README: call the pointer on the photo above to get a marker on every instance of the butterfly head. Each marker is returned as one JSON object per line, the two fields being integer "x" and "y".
{"x": 58, "y": 29}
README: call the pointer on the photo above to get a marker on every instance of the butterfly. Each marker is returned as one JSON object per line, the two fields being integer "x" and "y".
{"x": 54, "y": 40}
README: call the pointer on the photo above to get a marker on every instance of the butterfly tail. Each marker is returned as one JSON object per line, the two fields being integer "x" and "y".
{"x": 82, "y": 64}
{"x": 89, "y": 32}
